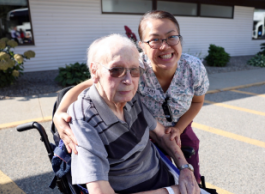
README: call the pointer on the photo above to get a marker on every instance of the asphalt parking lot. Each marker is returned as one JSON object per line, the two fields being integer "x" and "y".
{"x": 230, "y": 126}
{"x": 231, "y": 129}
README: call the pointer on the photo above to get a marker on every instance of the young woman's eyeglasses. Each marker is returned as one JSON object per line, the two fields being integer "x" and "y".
{"x": 157, "y": 43}
{"x": 121, "y": 71}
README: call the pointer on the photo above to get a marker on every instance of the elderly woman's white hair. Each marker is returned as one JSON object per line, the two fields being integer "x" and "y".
{"x": 100, "y": 49}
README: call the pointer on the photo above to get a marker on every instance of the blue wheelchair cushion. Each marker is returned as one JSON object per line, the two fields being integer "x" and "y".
{"x": 61, "y": 163}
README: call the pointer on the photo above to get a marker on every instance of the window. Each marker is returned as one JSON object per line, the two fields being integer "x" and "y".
{"x": 259, "y": 24}
{"x": 216, "y": 11}
{"x": 126, "y": 6}
{"x": 15, "y": 21}
{"x": 175, "y": 7}
{"x": 178, "y": 8}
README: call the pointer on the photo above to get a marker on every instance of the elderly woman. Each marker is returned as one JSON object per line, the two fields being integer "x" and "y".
{"x": 172, "y": 87}
{"x": 112, "y": 127}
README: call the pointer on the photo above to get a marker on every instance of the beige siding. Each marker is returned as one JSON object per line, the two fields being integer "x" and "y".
{"x": 63, "y": 29}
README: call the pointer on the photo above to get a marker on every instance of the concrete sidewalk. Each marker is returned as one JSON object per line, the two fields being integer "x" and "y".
{"x": 15, "y": 111}
{"x": 223, "y": 81}
{"x": 19, "y": 110}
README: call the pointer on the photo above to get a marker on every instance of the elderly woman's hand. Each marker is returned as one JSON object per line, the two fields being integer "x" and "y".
{"x": 188, "y": 183}
{"x": 66, "y": 134}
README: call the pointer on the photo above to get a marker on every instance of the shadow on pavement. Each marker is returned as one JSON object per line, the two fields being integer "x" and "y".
{"x": 222, "y": 97}
{"x": 37, "y": 184}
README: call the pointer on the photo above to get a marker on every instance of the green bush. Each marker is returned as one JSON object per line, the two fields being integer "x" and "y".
{"x": 257, "y": 60}
{"x": 72, "y": 74}
{"x": 262, "y": 47}
{"x": 11, "y": 64}
{"x": 217, "y": 56}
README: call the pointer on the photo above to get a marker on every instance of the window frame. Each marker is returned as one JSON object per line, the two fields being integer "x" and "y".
{"x": 183, "y": 2}
{"x": 127, "y": 13}
{"x": 32, "y": 33}
{"x": 154, "y": 7}
{"x": 260, "y": 39}
{"x": 233, "y": 11}
{"x": 33, "y": 39}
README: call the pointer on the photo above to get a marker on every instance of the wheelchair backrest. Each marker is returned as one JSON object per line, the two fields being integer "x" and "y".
{"x": 60, "y": 95}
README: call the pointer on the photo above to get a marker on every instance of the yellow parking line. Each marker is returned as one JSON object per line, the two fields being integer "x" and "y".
{"x": 213, "y": 91}
{"x": 249, "y": 93}
{"x": 235, "y": 108}
{"x": 229, "y": 135}
{"x": 8, "y": 186}
{"x": 235, "y": 87}
{"x": 219, "y": 190}
{"x": 14, "y": 124}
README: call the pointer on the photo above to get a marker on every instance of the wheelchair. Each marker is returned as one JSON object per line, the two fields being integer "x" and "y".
{"x": 64, "y": 183}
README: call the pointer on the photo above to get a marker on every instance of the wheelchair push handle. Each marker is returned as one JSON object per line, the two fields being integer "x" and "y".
{"x": 42, "y": 132}
{"x": 188, "y": 151}
{"x": 25, "y": 127}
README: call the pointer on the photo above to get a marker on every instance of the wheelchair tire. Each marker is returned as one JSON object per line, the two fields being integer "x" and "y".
{"x": 63, "y": 187}
{"x": 203, "y": 186}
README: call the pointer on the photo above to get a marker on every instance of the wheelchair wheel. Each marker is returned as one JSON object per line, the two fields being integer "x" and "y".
{"x": 63, "y": 187}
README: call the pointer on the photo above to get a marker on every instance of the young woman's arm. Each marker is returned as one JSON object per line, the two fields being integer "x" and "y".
{"x": 187, "y": 181}
{"x": 185, "y": 120}
{"x": 61, "y": 118}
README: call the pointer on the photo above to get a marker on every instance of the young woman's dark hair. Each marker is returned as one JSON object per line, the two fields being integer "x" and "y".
{"x": 156, "y": 14}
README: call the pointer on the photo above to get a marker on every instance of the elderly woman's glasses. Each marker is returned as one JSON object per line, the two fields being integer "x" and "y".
{"x": 157, "y": 43}
{"x": 121, "y": 71}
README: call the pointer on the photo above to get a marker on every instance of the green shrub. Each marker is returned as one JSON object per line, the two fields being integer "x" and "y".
{"x": 262, "y": 47}
{"x": 11, "y": 64}
{"x": 217, "y": 56}
{"x": 72, "y": 74}
{"x": 257, "y": 60}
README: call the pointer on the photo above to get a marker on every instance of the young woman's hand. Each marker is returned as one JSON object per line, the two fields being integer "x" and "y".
{"x": 174, "y": 134}
{"x": 61, "y": 121}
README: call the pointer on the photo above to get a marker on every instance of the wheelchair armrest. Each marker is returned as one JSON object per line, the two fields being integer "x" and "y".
{"x": 187, "y": 151}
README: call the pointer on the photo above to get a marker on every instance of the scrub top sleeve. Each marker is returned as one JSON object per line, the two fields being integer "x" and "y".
{"x": 201, "y": 84}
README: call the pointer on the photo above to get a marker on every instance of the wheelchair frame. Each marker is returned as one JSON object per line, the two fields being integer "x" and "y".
{"x": 64, "y": 184}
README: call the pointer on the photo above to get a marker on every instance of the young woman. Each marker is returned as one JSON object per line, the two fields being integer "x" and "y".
{"x": 172, "y": 87}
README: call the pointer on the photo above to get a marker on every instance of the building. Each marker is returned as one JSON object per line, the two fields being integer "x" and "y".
{"x": 60, "y": 31}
